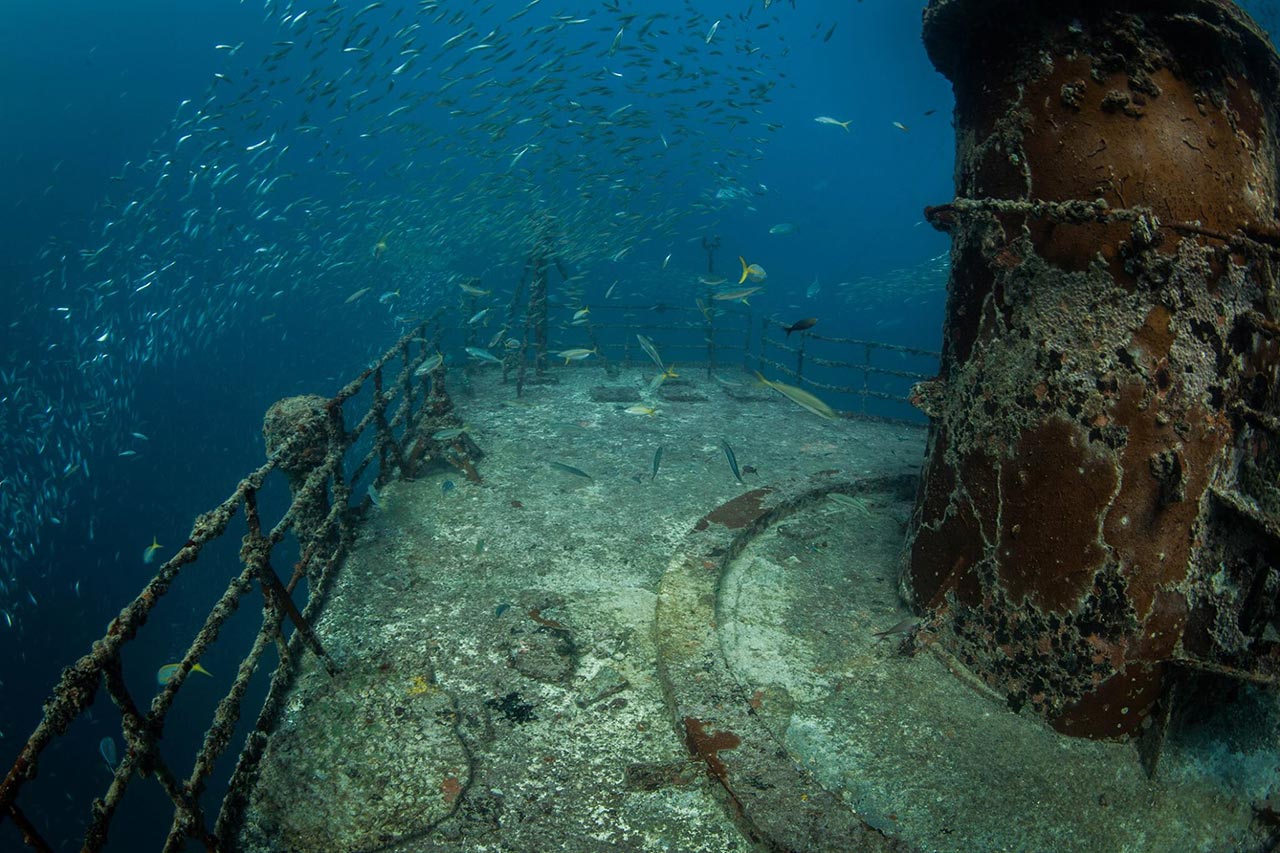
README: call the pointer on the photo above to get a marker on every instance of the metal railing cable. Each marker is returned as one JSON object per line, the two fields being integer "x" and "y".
{"x": 325, "y": 542}
{"x": 405, "y": 409}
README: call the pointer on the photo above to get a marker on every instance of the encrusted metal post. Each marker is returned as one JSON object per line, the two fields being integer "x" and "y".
{"x": 710, "y": 334}
{"x": 537, "y": 269}
{"x": 1087, "y": 517}
{"x": 286, "y": 418}
{"x": 307, "y": 438}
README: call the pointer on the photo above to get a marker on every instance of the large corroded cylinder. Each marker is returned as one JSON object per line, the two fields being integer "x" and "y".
{"x": 1099, "y": 502}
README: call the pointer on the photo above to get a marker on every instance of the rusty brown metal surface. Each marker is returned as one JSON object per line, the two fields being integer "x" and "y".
{"x": 1100, "y": 489}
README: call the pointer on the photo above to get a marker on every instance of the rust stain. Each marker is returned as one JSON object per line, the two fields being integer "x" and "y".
{"x": 1117, "y": 707}
{"x": 1148, "y": 522}
{"x": 536, "y": 615}
{"x": 708, "y": 746}
{"x": 737, "y": 513}
{"x": 1054, "y": 493}
{"x": 1187, "y": 164}
{"x": 451, "y": 788}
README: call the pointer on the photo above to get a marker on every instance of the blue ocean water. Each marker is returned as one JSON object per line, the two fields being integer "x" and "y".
{"x": 185, "y": 224}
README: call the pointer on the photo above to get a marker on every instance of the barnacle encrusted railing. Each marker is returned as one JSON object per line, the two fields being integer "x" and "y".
{"x": 893, "y": 378}
{"x": 400, "y": 442}
{"x": 730, "y": 335}
{"x": 707, "y": 336}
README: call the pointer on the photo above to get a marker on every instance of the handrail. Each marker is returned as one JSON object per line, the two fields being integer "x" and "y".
{"x": 421, "y": 409}
{"x": 404, "y": 403}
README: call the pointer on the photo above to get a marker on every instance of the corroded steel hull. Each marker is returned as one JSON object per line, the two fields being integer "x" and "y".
{"x": 1096, "y": 507}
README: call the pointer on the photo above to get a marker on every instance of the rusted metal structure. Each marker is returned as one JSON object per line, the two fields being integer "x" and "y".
{"x": 404, "y": 421}
{"x": 1099, "y": 513}
{"x": 309, "y": 441}
{"x": 544, "y": 254}
{"x": 718, "y": 337}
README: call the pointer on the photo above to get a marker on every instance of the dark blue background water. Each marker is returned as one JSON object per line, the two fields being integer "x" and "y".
{"x": 91, "y": 86}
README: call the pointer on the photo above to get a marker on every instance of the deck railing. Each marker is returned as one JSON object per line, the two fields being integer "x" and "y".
{"x": 402, "y": 415}
{"x": 399, "y": 419}
{"x": 727, "y": 336}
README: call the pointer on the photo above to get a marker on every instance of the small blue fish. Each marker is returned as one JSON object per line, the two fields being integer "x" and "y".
{"x": 446, "y": 487}
{"x": 733, "y": 459}
{"x": 107, "y": 749}
{"x": 569, "y": 469}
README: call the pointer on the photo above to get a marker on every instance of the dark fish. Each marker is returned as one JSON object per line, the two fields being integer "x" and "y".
{"x": 657, "y": 460}
{"x": 733, "y": 460}
{"x": 569, "y": 469}
{"x": 801, "y": 325}
{"x": 830, "y": 33}
{"x": 446, "y": 487}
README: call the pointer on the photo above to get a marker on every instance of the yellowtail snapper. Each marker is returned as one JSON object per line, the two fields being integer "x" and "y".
{"x": 740, "y": 294}
{"x": 166, "y": 673}
{"x": 755, "y": 272}
{"x": 800, "y": 397}
{"x": 650, "y": 350}
{"x": 576, "y": 354}
{"x": 149, "y": 553}
{"x": 432, "y": 362}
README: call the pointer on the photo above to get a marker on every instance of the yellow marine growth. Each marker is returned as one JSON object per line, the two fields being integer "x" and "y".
{"x": 421, "y": 685}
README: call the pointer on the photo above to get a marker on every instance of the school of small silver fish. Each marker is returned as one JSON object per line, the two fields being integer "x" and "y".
{"x": 367, "y": 149}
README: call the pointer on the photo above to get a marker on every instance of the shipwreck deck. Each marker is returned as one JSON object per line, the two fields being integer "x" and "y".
{"x": 528, "y": 663}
